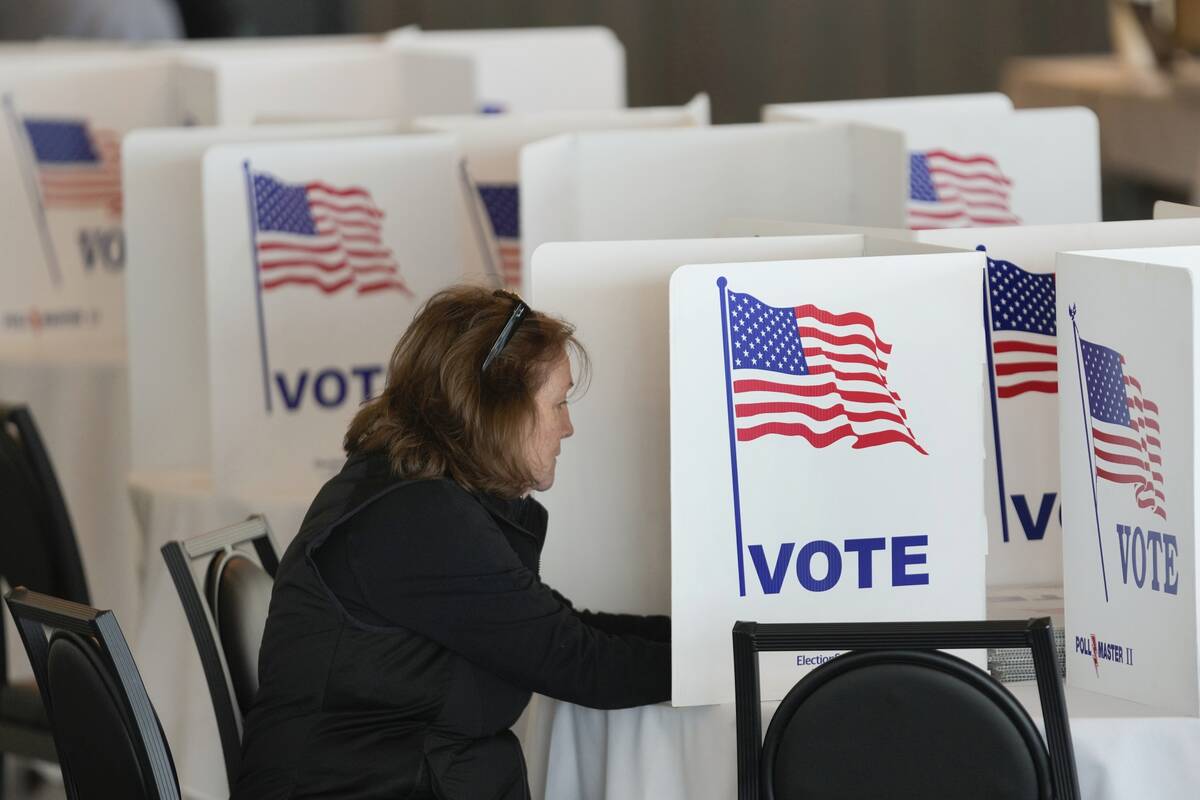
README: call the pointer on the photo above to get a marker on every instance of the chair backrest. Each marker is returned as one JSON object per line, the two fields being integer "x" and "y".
{"x": 892, "y": 717}
{"x": 38, "y": 548}
{"x": 227, "y": 611}
{"x": 107, "y": 735}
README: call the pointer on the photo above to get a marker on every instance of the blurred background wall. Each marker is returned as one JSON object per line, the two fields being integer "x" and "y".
{"x": 744, "y": 53}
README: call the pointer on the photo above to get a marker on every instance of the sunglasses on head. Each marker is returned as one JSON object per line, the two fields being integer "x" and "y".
{"x": 519, "y": 311}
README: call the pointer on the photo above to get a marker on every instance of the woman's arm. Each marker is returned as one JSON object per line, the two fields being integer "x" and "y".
{"x": 655, "y": 627}
{"x": 444, "y": 570}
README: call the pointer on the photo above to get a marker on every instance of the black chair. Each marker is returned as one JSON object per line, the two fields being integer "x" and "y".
{"x": 107, "y": 734}
{"x": 893, "y": 717}
{"x": 37, "y": 549}
{"x": 230, "y": 607}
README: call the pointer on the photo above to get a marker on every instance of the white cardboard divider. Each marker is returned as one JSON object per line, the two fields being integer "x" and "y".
{"x": 297, "y": 338}
{"x": 826, "y": 453}
{"x": 62, "y": 269}
{"x": 236, "y": 86}
{"x": 683, "y": 182}
{"x": 1167, "y": 210}
{"x": 882, "y": 109}
{"x": 610, "y": 546}
{"x": 982, "y": 166}
{"x": 492, "y": 145}
{"x": 1023, "y": 500}
{"x": 166, "y": 312}
{"x": 1128, "y": 428}
{"x": 533, "y": 69}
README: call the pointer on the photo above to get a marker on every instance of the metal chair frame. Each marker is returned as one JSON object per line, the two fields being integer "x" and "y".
{"x": 752, "y": 638}
{"x": 34, "y": 613}
{"x": 179, "y": 557}
{"x": 18, "y": 738}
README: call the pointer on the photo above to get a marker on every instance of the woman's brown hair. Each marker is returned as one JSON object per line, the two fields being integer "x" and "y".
{"x": 439, "y": 415}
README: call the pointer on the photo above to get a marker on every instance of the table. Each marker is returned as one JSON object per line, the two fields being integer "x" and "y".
{"x": 574, "y": 752}
{"x": 1122, "y": 750}
{"x": 1148, "y": 120}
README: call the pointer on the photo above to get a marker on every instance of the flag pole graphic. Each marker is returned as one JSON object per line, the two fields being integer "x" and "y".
{"x": 252, "y": 201}
{"x": 26, "y": 159}
{"x": 737, "y": 502}
{"x": 1088, "y": 440}
{"x": 477, "y": 214}
{"x": 987, "y": 334}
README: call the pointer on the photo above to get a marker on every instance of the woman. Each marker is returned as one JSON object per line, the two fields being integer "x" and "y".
{"x": 408, "y": 624}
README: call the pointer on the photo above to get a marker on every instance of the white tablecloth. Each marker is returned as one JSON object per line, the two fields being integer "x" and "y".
{"x": 1123, "y": 749}
{"x": 80, "y": 402}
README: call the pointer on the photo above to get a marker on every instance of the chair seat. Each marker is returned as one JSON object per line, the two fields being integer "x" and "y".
{"x": 21, "y": 704}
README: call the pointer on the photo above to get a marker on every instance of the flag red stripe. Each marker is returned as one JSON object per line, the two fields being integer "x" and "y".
{"x": 324, "y": 267}
{"x": 845, "y": 358}
{"x": 868, "y": 377}
{"x": 818, "y": 413}
{"x": 831, "y": 338}
{"x": 815, "y": 390}
{"x": 1026, "y": 366}
{"x": 349, "y": 191}
{"x": 1048, "y": 387}
{"x": 974, "y": 159}
{"x": 325, "y": 205}
{"x": 1112, "y": 438}
{"x": 1024, "y": 347}
{"x": 304, "y": 280}
{"x": 826, "y": 438}
{"x": 379, "y": 286}
{"x": 1115, "y": 458}
{"x": 968, "y": 176}
{"x": 1118, "y": 477}
{"x": 809, "y": 311}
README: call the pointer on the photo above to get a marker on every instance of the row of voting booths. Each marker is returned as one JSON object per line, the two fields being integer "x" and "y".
{"x": 828, "y": 379}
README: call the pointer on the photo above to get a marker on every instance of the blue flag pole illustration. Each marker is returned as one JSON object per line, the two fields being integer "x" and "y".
{"x": 991, "y": 359}
{"x": 26, "y": 161}
{"x": 1083, "y": 402}
{"x": 737, "y": 502}
{"x": 252, "y": 206}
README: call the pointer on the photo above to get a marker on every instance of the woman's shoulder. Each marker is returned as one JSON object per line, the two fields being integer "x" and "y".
{"x": 422, "y": 504}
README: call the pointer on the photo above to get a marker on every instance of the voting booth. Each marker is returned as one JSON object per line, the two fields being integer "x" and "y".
{"x": 684, "y": 183}
{"x": 974, "y": 161}
{"x": 1127, "y": 436}
{"x": 826, "y": 453}
{"x": 1023, "y": 502}
{"x": 532, "y": 69}
{"x": 60, "y": 176}
{"x": 492, "y": 146}
{"x": 611, "y": 547}
{"x": 165, "y": 283}
{"x": 317, "y": 254}
{"x": 240, "y": 86}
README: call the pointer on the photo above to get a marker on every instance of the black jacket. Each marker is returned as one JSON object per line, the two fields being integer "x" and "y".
{"x": 407, "y": 629}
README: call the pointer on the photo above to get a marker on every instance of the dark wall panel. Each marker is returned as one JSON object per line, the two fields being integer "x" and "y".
{"x": 749, "y": 52}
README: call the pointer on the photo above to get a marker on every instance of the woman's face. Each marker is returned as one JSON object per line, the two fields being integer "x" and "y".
{"x": 553, "y": 424}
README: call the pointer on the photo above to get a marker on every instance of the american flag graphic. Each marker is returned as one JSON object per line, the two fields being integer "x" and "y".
{"x": 1024, "y": 332}
{"x": 321, "y": 236}
{"x": 948, "y": 190}
{"x": 77, "y": 166}
{"x": 807, "y": 372}
{"x": 1125, "y": 432}
{"x": 503, "y": 204}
